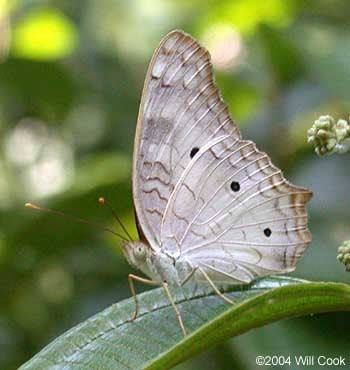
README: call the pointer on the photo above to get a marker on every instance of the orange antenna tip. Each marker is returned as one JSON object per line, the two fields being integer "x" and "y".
{"x": 31, "y": 205}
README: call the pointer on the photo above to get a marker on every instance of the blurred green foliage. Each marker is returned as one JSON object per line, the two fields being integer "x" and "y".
{"x": 71, "y": 75}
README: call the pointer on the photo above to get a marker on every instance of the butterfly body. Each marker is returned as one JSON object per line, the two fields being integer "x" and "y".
{"x": 158, "y": 266}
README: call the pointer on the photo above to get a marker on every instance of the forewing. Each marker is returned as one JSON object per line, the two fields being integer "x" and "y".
{"x": 235, "y": 215}
{"x": 181, "y": 111}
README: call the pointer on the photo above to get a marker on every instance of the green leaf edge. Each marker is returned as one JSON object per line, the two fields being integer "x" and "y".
{"x": 279, "y": 303}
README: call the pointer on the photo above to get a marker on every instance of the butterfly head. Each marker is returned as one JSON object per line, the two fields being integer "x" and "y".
{"x": 136, "y": 253}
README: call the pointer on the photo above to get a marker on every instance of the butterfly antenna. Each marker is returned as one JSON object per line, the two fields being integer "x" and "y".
{"x": 74, "y": 218}
{"x": 103, "y": 201}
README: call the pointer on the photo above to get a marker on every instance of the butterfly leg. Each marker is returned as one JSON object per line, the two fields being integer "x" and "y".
{"x": 177, "y": 312}
{"x": 188, "y": 277}
{"x": 131, "y": 279}
{"x": 216, "y": 290}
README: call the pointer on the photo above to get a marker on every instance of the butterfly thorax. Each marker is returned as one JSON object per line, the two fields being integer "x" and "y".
{"x": 156, "y": 265}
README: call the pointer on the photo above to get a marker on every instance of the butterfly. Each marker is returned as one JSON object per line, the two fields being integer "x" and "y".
{"x": 210, "y": 207}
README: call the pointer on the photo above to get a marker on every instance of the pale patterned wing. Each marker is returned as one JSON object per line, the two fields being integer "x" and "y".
{"x": 233, "y": 214}
{"x": 181, "y": 110}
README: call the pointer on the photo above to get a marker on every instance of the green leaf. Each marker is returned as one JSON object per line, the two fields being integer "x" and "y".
{"x": 154, "y": 341}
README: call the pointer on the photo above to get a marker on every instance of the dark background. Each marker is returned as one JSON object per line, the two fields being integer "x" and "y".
{"x": 71, "y": 74}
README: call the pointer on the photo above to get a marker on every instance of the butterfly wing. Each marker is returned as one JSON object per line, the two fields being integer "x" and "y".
{"x": 233, "y": 214}
{"x": 201, "y": 193}
{"x": 181, "y": 110}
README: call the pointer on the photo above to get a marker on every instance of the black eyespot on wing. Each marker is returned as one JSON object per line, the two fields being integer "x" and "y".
{"x": 267, "y": 232}
{"x": 235, "y": 186}
{"x": 194, "y": 151}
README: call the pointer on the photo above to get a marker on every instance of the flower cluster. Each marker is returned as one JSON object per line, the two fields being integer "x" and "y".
{"x": 328, "y": 136}
{"x": 344, "y": 254}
